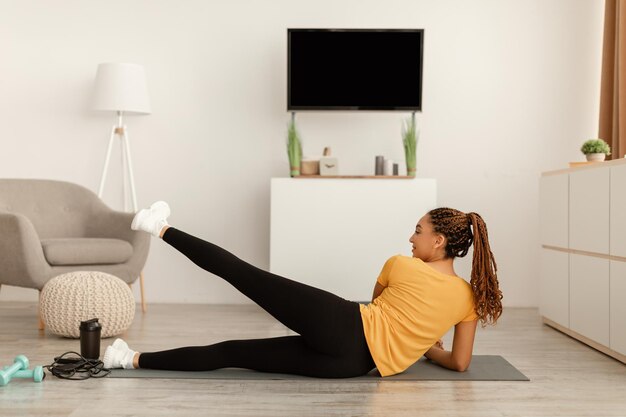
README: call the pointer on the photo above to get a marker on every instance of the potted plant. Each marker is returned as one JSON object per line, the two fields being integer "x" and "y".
{"x": 294, "y": 149}
{"x": 595, "y": 149}
{"x": 409, "y": 140}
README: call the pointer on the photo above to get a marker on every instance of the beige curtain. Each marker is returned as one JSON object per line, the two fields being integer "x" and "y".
{"x": 613, "y": 85}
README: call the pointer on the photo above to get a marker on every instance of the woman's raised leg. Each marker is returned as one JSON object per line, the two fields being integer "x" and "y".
{"x": 326, "y": 322}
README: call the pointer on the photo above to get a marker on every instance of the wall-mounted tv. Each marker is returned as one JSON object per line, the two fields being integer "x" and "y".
{"x": 354, "y": 69}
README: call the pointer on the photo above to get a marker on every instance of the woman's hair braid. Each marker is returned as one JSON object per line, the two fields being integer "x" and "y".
{"x": 457, "y": 227}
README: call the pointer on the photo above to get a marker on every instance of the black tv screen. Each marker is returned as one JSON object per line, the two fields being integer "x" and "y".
{"x": 354, "y": 69}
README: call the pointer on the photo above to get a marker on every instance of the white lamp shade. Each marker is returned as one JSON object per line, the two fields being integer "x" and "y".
{"x": 121, "y": 87}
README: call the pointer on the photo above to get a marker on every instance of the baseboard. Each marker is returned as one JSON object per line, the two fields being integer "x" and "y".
{"x": 597, "y": 346}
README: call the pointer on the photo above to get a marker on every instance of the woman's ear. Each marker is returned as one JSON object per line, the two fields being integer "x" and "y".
{"x": 440, "y": 241}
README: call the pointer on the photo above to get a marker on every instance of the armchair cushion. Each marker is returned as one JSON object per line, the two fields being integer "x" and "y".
{"x": 86, "y": 251}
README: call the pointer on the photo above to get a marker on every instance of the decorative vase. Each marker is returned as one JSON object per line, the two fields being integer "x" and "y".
{"x": 595, "y": 157}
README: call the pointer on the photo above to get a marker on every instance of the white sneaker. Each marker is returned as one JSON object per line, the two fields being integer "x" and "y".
{"x": 118, "y": 355}
{"x": 153, "y": 219}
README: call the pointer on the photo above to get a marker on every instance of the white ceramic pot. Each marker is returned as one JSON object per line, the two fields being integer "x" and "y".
{"x": 595, "y": 157}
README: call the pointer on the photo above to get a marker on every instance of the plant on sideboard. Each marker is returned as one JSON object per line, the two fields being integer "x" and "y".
{"x": 595, "y": 149}
{"x": 409, "y": 140}
{"x": 294, "y": 149}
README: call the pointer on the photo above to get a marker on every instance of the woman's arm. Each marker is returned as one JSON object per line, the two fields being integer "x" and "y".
{"x": 462, "y": 346}
{"x": 377, "y": 290}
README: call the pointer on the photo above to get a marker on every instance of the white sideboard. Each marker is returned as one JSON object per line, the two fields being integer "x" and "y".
{"x": 583, "y": 254}
{"x": 336, "y": 233}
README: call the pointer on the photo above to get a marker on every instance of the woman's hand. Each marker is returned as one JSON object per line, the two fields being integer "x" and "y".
{"x": 437, "y": 346}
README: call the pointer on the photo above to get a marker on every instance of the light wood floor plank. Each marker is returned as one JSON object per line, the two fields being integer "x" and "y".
{"x": 567, "y": 377}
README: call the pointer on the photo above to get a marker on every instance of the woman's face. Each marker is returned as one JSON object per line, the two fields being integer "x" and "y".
{"x": 427, "y": 245}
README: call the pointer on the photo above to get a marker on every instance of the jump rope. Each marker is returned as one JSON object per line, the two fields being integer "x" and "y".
{"x": 70, "y": 365}
{"x": 74, "y": 366}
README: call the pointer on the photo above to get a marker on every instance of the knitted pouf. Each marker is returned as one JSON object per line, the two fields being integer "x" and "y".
{"x": 68, "y": 299}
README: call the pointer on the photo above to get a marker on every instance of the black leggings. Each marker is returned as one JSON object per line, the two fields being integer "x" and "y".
{"x": 331, "y": 343}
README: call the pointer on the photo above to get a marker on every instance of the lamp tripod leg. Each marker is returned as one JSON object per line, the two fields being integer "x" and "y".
{"x": 130, "y": 170}
{"x": 143, "y": 297}
{"x": 106, "y": 163}
{"x": 41, "y": 325}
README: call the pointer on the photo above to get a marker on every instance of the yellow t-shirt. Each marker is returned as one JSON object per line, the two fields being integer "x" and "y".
{"x": 416, "y": 308}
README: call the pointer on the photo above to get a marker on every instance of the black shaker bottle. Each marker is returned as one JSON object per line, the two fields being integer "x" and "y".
{"x": 90, "y": 339}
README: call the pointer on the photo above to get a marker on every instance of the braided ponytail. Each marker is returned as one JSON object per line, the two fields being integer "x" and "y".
{"x": 484, "y": 278}
{"x": 457, "y": 227}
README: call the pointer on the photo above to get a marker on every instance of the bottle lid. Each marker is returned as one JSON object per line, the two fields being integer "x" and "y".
{"x": 90, "y": 325}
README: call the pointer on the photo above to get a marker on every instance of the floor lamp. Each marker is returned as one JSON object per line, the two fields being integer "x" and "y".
{"x": 121, "y": 88}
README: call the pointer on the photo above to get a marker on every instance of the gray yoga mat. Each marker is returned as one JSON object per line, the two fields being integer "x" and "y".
{"x": 482, "y": 368}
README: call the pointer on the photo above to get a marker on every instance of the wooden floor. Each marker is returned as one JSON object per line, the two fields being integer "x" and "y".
{"x": 567, "y": 377}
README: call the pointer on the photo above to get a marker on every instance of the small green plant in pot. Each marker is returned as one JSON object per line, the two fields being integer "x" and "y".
{"x": 294, "y": 149}
{"x": 595, "y": 149}
{"x": 409, "y": 140}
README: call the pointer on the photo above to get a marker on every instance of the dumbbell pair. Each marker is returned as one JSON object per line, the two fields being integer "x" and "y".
{"x": 19, "y": 369}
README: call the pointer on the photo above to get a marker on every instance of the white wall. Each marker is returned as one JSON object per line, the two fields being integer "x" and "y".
{"x": 510, "y": 90}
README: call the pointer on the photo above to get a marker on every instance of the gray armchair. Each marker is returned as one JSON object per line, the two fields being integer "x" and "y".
{"x": 49, "y": 228}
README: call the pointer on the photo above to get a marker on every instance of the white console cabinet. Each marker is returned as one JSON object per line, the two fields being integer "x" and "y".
{"x": 583, "y": 254}
{"x": 618, "y": 306}
{"x": 589, "y": 296}
{"x": 589, "y": 210}
{"x": 337, "y": 233}
{"x": 554, "y": 285}
{"x": 618, "y": 210}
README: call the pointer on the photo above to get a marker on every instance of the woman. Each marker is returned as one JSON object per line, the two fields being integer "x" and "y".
{"x": 415, "y": 302}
